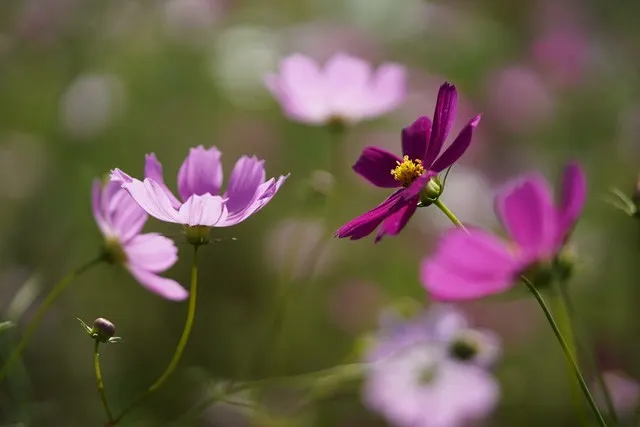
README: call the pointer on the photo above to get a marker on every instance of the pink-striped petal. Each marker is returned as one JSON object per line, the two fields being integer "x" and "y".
{"x": 153, "y": 170}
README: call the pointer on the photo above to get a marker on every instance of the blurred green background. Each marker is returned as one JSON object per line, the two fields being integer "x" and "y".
{"x": 86, "y": 86}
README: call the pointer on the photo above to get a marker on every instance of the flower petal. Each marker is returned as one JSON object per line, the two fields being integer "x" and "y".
{"x": 415, "y": 138}
{"x": 247, "y": 175}
{"x": 127, "y": 217}
{"x": 469, "y": 265}
{"x": 152, "y": 252}
{"x": 204, "y": 210}
{"x": 389, "y": 89}
{"x": 200, "y": 173}
{"x": 149, "y": 195}
{"x": 347, "y": 85}
{"x": 96, "y": 207}
{"x": 153, "y": 170}
{"x": 364, "y": 225}
{"x": 443, "y": 117}
{"x": 398, "y": 220}
{"x": 262, "y": 196}
{"x": 166, "y": 288}
{"x": 375, "y": 165}
{"x": 526, "y": 209}
{"x": 304, "y": 86}
{"x": 574, "y": 195}
{"x": 457, "y": 147}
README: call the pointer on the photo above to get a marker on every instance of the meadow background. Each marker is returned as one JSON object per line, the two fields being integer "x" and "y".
{"x": 89, "y": 85}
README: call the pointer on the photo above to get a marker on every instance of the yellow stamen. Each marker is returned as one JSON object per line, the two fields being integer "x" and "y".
{"x": 407, "y": 171}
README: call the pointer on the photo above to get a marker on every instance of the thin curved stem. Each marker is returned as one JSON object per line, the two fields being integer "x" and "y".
{"x": 445, "y": 210}
{"x": 100, "y": 383}
{"x": 586, "y": 349}
{"x": 565, "y": 349}
{"x": 42, "y": 310}
{"x": 182, "y": 343}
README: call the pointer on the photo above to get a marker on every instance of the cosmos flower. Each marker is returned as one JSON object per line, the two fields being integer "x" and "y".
{"x": 416, "y": 380}
{"x": 120, "y": 221}
{"x": 199, "y": 186}
{"x": 422, "y": 143}
{"x": 474, "y": 263}
{"x": 347, "y": 90}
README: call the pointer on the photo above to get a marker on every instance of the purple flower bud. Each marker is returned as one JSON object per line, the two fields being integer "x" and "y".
{"x": 103, "y": 330}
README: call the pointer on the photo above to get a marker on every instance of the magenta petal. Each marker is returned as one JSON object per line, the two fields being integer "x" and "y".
{"x": 415, "y": 138}
{"x": 457, "y": 147}
{"x": 526, "y": 209}
{"x": 574, "y": 195}
{"x": 443, "y": 117}
{"x": 206, "y": 210}
{"x": 152, "y": 252}
{"x": 248, "y": 174}
{"x": 153, "y": 170}
{"x": 366, "y": 223}
{"x": 200, "y": 173}
{"x": 397, "y": 221}
{"x": 469, "y": 265}
{"x": 375, "y": 165}
{"x": 166, "y": 288}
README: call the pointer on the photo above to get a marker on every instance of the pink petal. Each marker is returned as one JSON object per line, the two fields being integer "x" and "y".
{"x": 305, "y": 89}
{"x": 526, "y": 209}
{"x": 347, "y": 79}
{"x": 469, "y": 265}
{"x": 263, "y": 195}
{"x": 366, "y": 223}
{"x": 166, "y": 288}
{"x": 443, "y": 117}
{"x": 247, "y": 175}
{"x": 153, "y": 170}
{"x": 128, "y": 218}
{"x": 200, "y": 173}
{"x": 375, "y": 165}
{"x": 397, "y": 221}
{"x": 574, "y": 195}
{"x": 389, "y": 89}
{"x": 96, "y": 207}
{"x": 149, "y": 195}
{"x": 204, "y": 210}
{"x": 152, "y": 252}
{"x": 457, "y": 147}
{"x": 415, "y": 138}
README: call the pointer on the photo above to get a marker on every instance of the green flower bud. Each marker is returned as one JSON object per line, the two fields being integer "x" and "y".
{"x": 431, "y": 192}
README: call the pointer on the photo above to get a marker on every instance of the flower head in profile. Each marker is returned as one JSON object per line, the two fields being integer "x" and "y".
{"x": 120, "y": 220}
{"x": 201, "y": 204}
{"x": 416, "y": 380}
{"x": 474, "y": 264}
{"x": 347, "y": 90}
{"x": 422, "y": 160}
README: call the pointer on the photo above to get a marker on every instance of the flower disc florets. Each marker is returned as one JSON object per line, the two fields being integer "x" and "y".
{"x": 407, "y": 171}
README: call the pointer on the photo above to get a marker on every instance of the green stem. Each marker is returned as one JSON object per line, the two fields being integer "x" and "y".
{"x": 445, "y": 210}
{"x": 565, "y": 349}
{"x": 100, "y": 383}
{"x": 182, "y": 343}
{"x": 586, "y": 349}
{"x": 42, "y": 310}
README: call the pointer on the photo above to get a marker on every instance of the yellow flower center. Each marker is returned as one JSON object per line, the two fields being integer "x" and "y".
{"x": 407, "y": 171}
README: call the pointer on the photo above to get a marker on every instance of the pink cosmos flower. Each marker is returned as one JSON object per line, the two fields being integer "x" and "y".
{"x": 474, "y": 264}
{"x": 120, "y": 220}
{"x": 422, "y": 143}
{"x": 199, "y": 184}
{"x": 346, "y": 90}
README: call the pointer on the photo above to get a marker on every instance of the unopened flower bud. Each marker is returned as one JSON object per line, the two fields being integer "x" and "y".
{"x": 103, "y": 330}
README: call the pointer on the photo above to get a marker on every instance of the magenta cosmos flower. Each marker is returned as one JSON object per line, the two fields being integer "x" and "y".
{"x": 474, "y": 264}
{"x": 120, "y": 220}
{"x": 422, "y": 143}
{"x": 346, "y": 90}
{"x": 199, "y": 184}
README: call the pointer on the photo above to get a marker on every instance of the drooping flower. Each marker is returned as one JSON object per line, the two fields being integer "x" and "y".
{"x": 199, "y": 184}
{"x": 346, "y": 91}
{"x": 416, "y": 380}
{"x": 474, "y": 263}
{"x": 422, "y": 143}
{"x": 120, "y": 220}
